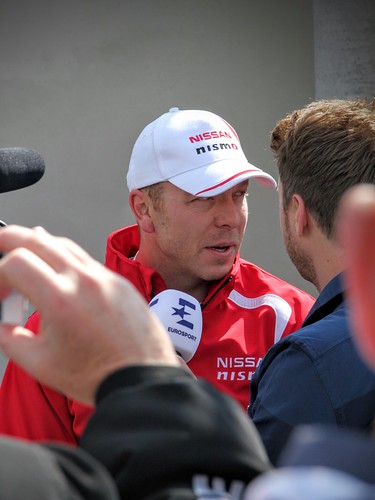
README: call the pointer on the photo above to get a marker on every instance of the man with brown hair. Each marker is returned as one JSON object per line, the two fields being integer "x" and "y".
{"x": 316, "y": 375}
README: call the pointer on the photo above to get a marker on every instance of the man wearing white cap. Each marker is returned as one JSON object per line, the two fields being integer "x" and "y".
{"x": 188, "y": 179}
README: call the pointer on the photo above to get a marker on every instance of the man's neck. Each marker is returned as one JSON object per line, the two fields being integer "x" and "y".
{"x": 328, "y": 264}
{"x": 198, "y": 291}
{"x": 197, "y": 288}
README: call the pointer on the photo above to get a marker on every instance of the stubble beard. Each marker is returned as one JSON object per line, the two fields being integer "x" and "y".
{"x": 302, "y": 262}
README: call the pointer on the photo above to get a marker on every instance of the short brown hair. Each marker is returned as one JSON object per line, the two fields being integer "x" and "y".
{"x": 323, "y": 149}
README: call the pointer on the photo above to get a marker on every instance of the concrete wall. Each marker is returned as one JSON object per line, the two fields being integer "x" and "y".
{"x": 344, "y": 43}
{"x": 80, "y": 78}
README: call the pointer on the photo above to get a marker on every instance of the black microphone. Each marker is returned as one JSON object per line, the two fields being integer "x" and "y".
{"x": 19, "y": 168}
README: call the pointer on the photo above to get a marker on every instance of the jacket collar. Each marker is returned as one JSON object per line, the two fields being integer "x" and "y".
{"x": 331, "y": 297}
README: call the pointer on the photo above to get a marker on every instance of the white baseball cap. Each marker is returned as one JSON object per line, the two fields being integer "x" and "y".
{"x": 195, "y": 150}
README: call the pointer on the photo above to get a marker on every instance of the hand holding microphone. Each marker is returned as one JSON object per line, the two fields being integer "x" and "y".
{"x": 181, "y": 315}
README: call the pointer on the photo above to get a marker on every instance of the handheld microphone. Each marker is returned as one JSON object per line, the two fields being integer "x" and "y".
{"x": 181, "y": 315}
{"x": 19, "y": 168}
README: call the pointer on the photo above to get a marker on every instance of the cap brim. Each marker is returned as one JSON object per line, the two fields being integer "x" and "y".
{"x": 218, "y": 177}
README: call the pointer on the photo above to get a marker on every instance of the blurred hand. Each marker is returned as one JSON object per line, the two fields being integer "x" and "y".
{"x": 93, "y": 321}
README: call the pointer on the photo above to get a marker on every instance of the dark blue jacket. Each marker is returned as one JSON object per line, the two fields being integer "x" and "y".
{"x": 314, "y": 375}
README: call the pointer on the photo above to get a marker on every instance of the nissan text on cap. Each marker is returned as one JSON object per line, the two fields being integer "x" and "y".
{"x": 196, "y": 150}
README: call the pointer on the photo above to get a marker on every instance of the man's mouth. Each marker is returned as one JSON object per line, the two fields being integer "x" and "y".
{"x": 221, "y": 248}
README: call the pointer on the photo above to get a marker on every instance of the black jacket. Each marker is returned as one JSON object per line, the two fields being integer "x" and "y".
{"x": 159, "y": 431}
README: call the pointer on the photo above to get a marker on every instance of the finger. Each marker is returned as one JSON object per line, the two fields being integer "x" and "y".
{"x": 356, "y": 210}
{"x": 31, "y": 353}
{"x": 357, "y": 236}
{"x": 58, "y": 252}
{"x": 356, "y": 233}
{"x": 17, "y": 343}
{"x": 73, "y": 247}
{"x": 33, "y": 278}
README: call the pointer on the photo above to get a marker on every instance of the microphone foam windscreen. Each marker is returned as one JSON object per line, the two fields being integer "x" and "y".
{"x": 19, "y": 167}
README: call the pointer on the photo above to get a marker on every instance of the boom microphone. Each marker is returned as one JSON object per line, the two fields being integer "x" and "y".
{"x": 181, "y": 315}
{"x": 19, "y": 167}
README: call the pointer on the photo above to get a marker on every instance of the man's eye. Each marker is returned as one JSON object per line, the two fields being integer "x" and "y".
{"x": 202, "y": 198}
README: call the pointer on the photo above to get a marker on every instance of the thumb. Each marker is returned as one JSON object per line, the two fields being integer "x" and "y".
{"x": 19, "y": 344}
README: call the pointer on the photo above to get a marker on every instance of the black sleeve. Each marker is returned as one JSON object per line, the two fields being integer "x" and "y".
{"x": 155, "y": 428}
{"x": 38, "y": 472}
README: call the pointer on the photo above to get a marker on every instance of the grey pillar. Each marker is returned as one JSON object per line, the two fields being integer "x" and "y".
{"x": 344, "y": 43}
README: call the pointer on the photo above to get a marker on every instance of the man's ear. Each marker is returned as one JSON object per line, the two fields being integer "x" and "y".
{"x": 141, "y": 205}
{"x": 300, "y": 214}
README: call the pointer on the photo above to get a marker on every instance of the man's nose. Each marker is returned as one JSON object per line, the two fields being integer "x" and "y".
{"x": 227, "y": 213}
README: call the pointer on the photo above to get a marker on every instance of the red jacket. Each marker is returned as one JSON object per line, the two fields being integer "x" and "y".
{"x": 243, "y": 316}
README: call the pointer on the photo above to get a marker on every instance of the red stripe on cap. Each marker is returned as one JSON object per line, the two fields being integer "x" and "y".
{"x": 224, "y": 182}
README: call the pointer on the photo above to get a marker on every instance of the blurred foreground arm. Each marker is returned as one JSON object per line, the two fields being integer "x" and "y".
{"x": 86, "y": 314}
